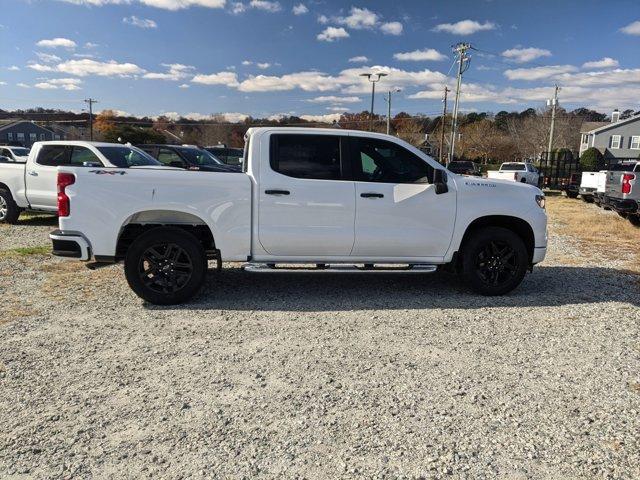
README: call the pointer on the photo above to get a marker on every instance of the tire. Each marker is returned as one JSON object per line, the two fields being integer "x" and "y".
{"x": 572, "y": 195}
{"x": 166, "y": 266}
{"x": 9, "y": 210}
{"x": 494, "y": 261}
{"x": 524, "y": 180}
{"x": 634, "y": 219}
{"x": 587, "y": 199}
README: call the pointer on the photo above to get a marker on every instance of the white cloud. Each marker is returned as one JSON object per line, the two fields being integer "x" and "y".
{"x": 327, "y": 118}
{"x": 334, "y": 99}
{"x": 247, "y": 62}
{"x": 308, "y": 81}
{"x": 538, "y": 73}
{"x": 3, "y": 83}
{"x": 13, "y": 68}
{"x": 87, "y": 66}
{"x": 57, "y": 42}
{"x": 300, "y": 9}
{"x": 38, "y": 67}
{"x": 359, "y": 59}
{"x": 22, "y": 85}
{"x": 619, "y": 76}
{"x": 331, "y": 34}
{"x": 420, "y": 55}
{"x": 522, "y": 55}
{"x": 221, "y": 78}
{"x": 266, "y": 5}
{"x": 63, "y": 83}
{"x": 164, "y": 4}
{"x": 176, "y": 71}
{"x": 337, "y": 109}
{"x": 140, "y": 22}
{"x": 91, "y": 45}
{"x": 323, "y": 19}
{"x": 359, "y": 18}
{"x": 391, "y": 28}
{"x": 48, "y": 58}
{"x": 632, "y": 29}
{"x": 184, "y": 85}
{"x": 263, "y": 66}
{"x": 464, "y": 27}
{"x": 606, "y": 62}
{"x": 238, "y": 8}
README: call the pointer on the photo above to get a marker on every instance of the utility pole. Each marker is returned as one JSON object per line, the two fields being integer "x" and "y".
{"x": 388, "y": 99}
{"x": 90, "y": 101}
{"x": 461, "y": 51}
{"x": 444, "y": 118}
{"x": 373, "y": 78}
{"x": 553, "y": 103}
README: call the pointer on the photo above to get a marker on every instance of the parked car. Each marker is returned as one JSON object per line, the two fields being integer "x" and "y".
{"x": 572, "y": 186}
{"x": 230, "y": 156}
{"x": 623, "y": 192}
{"x": 604, "y": 178}
{"x": 14, "y": 154}
{"x": 523, "y": 172}
{"x": 462, "y": 167}
{"x": 32, "y": 185}
{"x": 298, "y": 203}
{"x": 189, "y": 157}
{"x": 589, "y": 185}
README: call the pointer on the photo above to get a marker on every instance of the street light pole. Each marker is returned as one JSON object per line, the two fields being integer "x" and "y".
{"x": 461, "y": 50}
{"x": 373, "y": 78}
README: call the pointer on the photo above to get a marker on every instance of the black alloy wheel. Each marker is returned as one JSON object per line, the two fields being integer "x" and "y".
{"x": 165, "y": 268}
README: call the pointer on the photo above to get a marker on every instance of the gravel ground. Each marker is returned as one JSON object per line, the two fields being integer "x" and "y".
{"x": 305, "y": 376}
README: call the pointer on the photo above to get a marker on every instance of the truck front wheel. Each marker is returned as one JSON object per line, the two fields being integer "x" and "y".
{"x": 494, "y": 261}
{"x": 166, "y": 266}
{"x": 9, "y": 210}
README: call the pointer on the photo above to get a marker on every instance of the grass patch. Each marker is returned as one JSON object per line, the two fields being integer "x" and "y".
{"x": 599, "y": 233}
{"x": 25, "y": 251}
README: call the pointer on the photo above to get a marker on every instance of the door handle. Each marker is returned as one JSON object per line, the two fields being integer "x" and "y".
{"x": 277, "y": 192}
{"x": 33, "y": 173}
{"x": 371, "y": 195}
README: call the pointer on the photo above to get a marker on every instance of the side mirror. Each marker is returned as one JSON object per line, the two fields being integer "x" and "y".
{"x": 440, "y": 181}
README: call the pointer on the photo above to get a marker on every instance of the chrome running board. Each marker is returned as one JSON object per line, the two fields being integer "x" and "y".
{"x": 338, "y": 268}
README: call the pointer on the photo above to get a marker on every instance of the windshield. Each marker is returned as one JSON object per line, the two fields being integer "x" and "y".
{"x": 513, "y": 166}
{"x": 124, "y": 157}
{"x": 20, "y": 152}
{"x": 199, "y": 157}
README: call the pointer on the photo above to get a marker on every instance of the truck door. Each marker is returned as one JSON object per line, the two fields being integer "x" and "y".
{"x": 306, "y": 202}
{"x": 41, "y": 176}
{"x": 398, "y": 213}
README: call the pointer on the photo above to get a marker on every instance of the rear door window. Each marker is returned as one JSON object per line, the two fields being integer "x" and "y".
{"x": 82, "y": 155}
{"x": 306, "y": 156}
{"x": 54, "y": 155}
{"x": 170, "y": 158}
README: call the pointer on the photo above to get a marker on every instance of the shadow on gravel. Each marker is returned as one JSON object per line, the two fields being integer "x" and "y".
{"x": 309, "y": 291}
{"x": 38, "y": 221}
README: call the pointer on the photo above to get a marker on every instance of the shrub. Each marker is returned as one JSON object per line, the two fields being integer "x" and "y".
{"x": 591, "y": 160}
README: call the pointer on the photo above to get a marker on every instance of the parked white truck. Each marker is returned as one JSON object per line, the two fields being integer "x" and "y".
{"x": 321, "y": 197}
{"x": 13, "y": 153}
{"x": 31, "y": 184}
{"x": 589, "y": 184}
{"x": 523, "y": 172}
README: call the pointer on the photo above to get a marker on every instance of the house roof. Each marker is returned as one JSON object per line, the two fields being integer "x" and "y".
{"x": 588, "y": 126}
{"x": 18, "y": 122}
{"x": 607, "y": 125}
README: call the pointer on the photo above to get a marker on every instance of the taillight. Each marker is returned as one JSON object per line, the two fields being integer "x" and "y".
{"x": 626, "y": 182}
{"x": 64, "y": 205}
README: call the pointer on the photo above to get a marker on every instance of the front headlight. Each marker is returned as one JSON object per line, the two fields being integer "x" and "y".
{"x": 540, "y": 201}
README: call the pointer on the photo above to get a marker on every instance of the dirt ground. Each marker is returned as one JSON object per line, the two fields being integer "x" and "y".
{"x": 331, "y": 376}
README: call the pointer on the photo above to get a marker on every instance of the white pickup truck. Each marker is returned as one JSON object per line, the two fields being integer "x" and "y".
{"x": 31, "y": 183}
{"x": 322, "y": 197}
{"x": 14, "y": 154}
{"x": 523, "y": 172}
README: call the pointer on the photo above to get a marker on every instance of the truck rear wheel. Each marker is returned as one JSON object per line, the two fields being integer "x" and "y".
{"x": 494, "y": 261}
{"x": 9, "y": 210}
{"x": 166, "y": 266}
{"x": 634, "y": 219}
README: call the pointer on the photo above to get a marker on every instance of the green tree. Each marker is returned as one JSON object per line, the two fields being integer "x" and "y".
{"x": 591, "y": 160}
{"x": 132, "y": 134}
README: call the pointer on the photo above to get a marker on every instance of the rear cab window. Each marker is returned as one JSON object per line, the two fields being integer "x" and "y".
{"x": 521, "y": 167}
{"x": 307, "y": 156}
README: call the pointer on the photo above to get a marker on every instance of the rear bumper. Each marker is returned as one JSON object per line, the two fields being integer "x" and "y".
{"x": 586, "y": 191}
{"x": 619, "y": 205}
{"x": 70, "y": 245}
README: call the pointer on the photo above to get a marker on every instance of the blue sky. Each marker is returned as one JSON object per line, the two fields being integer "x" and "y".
{"x": 268, "y": 58}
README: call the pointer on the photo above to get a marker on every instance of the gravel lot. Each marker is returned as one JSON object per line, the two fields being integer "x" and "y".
{"x": 306, "y": 376}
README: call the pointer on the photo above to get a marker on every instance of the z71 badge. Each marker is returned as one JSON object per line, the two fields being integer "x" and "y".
{"x": 108, "y": 172}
